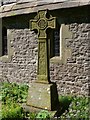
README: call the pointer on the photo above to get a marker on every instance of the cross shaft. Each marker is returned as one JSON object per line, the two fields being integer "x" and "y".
{"x": 42, "y": 23}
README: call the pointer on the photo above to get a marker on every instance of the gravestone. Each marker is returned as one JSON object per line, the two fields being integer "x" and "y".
{"x": 42, "y": 93}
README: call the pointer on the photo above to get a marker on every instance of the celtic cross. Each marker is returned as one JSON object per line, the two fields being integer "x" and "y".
{"x": 41, "y": 23}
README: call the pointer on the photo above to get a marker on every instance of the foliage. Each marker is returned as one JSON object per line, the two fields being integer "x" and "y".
{"x": 12, "y": 95}
{"x": 12, "y": 112}
{"x": 64, "y": 102}
{"x": 43, "y": 114}
{"x": 14, "y": 92}
{"x": 78, "y": 109}
{"x": 30, "y": 115}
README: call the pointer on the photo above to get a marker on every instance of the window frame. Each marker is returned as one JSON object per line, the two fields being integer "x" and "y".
{"x": 4, "y": 42}
{"x": 6, "y": 58}
{"x": 65, "y": 52}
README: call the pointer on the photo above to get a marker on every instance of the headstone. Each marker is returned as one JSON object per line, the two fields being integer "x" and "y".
{"x": 43, "y": 94}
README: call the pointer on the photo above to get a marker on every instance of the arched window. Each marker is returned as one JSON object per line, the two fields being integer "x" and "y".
{"x": 4, "y": 41}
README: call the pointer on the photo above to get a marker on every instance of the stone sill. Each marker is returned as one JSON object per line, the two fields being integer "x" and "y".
{"x": 4, "y": 58}
{"x": 56, "y": 59}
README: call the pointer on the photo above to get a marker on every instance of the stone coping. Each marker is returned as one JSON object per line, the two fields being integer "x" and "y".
{"x": 30, "y": 7}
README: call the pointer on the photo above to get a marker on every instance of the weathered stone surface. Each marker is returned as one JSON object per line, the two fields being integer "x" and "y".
{"x": 30, "y": 7}
{"x": 23, "y": 64}
{"x": 4, "y": 2}
{"x": 42, "y": 96}
{"x": 73, "y": 76}
{"x": 42, "y": 24}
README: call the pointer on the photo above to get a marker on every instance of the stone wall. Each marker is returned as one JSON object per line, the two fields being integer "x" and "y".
{"x": 71, "y": 78}
{"x": 22, "y": 66}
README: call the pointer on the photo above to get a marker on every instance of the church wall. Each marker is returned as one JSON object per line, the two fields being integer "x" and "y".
{"x": 71, "y": 77}
{"x": 22, "y": 65}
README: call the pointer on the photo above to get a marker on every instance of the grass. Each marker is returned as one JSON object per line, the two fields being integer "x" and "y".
{"x": 78, "y": 108}
{"x": 13, "y": 95}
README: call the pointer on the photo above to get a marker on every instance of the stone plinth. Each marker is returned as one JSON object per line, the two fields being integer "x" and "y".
{"x": 42, "y": 96}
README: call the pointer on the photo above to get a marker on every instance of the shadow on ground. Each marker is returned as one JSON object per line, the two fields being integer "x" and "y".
{"x": 63, "y": 105}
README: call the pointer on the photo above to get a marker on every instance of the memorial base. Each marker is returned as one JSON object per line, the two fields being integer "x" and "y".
{"x": 27, "y": 108}
{"x": 42, "y": 96}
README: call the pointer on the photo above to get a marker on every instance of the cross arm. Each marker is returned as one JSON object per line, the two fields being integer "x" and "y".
{"x": 52, "y": 22}
{"x": 33, "y": 24}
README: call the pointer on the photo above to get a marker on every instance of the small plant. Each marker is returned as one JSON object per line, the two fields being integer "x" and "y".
{"x": 43, "y": 114}
{"x": 12, "y": 112}
{"x": 65, "y": 101}
{"x": 11, "y": 96}
{"x": 30, "y": 115}
{"x": 14, "y": 92}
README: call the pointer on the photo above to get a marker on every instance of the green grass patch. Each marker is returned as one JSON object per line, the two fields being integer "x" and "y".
{"x": 12, "y": 96}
